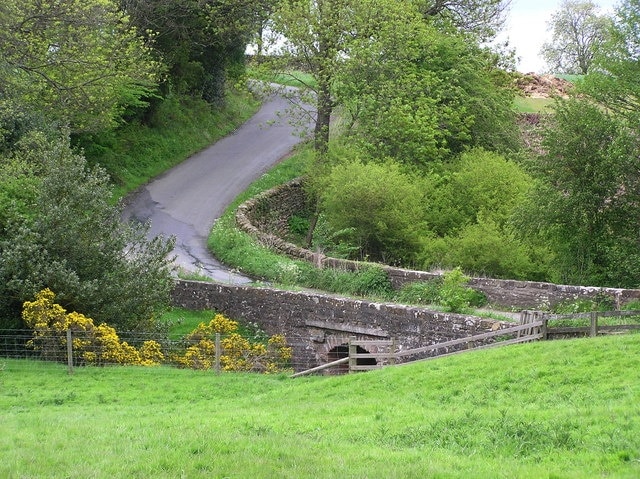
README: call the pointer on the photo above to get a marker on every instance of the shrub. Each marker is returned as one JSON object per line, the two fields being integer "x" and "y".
{"x": 487, "y": 249}
{"x": 91, "y": 344}
{"x": 454, "y": 295}
{"x": 420, "y": 292}
{"x": 377, "y": 206}
{"x": 237, "y": 352}
{"x": 371, "y": 281}
{"x": 76, "y": 244}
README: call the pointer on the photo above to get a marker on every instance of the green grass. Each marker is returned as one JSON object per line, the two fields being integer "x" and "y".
{"x": 179, "y": 128}
{"x": 293, "y": 78}
{"x": 569, "y": 77}
{"x": 561, "y": 409}
{"x": 532, "y": 105}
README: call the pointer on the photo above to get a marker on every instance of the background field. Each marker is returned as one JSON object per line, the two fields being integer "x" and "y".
{"x": 561, "y": 409}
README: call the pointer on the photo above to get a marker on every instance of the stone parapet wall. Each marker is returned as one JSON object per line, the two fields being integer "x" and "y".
{"x": 314, "y": 323}
{"x": 285, "y": 200}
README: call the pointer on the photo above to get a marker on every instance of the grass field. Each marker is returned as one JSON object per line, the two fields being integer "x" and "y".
{"x": 527, "y": 104}
{"x": 560, "y": 409}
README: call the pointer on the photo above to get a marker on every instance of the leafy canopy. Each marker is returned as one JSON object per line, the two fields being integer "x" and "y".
{"x": 79, "y": 62}
{"x": 74, "y": 242}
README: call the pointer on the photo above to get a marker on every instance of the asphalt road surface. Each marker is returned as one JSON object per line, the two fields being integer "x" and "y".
{"x": 186, "y": 201}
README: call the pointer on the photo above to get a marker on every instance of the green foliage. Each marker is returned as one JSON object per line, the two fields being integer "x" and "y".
{"x": 380, "y": 204}
{"x": 615, "y": 82}
{"x": 578, "y": 31}
{"x": 420, "y": 292}
{"x": 454, "y": 295}
{"x": 371, "y": 281}
{"x": 75, "y": 244}
{"x": 488, "y": 250}
{"x": 450, "y": 95}
{"x": 480, "y": 185}
{"x": 18, "y": 191}
{"x": 470, "y": 207}
{"x": 202, "y": 43}
{"x": 586, "y": 204}
{"x": 84, "y": 66}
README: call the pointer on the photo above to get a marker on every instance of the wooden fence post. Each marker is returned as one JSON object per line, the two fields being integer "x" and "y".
{"x": 472, "y": 344}
{"x": 353, "y": 350}
{"x": 593, "y": 332}
{"x": 544, "y": 328}
{"x": 394, "y": 350}
{"x": 69, "y": 351}
{"x": 218, "y": 353}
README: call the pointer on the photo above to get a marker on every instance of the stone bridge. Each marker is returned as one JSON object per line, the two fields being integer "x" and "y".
{"x": 318, "y": 326}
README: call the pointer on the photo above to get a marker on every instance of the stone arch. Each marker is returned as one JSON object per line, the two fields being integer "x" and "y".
{"x": 339, "y": 350}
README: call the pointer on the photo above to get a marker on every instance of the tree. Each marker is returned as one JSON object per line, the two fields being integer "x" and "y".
{"x": 615, "y": 82}
{"x": 378, "y": 206}
{"x": 78, "y": 62}
{"x": 587, "y": 204}
{"x": 482, "y": 18}
{"x": 577, "y": 32}
{"x": 419, "y": 96}
{"x": 74, "y": 242}
{"x": 336, "y": 39}
{"x": 202, "y": 42}
{"x": 589, "y": 200}
{"x": 315, "y": 35}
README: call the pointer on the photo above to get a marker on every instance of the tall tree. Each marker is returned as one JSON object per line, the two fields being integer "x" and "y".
{"x": 590, "y": 203}
{"x": 482, "y": 18}
{"x": 616, "y": 81}
{"x": 577, "y": 32}
{"x": 315, "y": 34}
{"x": 202, "y": 42}
{"x": 78, "y": 62}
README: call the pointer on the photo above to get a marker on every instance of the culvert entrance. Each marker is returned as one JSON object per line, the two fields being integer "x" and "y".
{"x": 342, "y": 351}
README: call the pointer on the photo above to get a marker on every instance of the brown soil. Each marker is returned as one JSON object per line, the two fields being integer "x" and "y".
{"x": 542, "y": 86}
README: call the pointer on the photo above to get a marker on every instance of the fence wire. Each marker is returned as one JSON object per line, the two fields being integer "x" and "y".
{"x": 226, "y": 352}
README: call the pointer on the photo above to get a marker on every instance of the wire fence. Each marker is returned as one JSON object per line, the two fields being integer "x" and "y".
{"x": 220, "y": 352}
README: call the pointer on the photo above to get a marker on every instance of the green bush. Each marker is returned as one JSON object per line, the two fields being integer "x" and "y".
{"x": 454, "y": 295}
{"x": 371, "y": 281}
{"x": 75, "y": 243}
{"x": 379, "y": 208}
{"x": 420, "y": 292}
{"x": 486, "y": 249}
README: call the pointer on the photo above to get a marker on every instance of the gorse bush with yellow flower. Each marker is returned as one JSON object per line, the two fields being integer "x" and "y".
{"x": 100, "y": 345}
{"x": 237, "y": 353}
{"x": 91, "y": 344}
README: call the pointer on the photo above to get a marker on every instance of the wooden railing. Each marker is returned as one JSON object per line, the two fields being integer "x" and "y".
{"x": 534, "y": 325}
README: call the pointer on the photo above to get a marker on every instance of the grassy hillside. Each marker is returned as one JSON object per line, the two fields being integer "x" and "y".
{"x": 564, "y": 409}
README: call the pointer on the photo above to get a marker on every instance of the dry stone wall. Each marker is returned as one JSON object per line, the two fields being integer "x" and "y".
{"x": 285, "y": 200}
{"x": 315, "y": 323}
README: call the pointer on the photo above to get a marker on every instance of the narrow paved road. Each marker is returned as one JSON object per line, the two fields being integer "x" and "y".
{"x": 185, "y": 201}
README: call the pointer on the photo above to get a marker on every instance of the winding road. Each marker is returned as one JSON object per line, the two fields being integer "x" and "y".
{"x": 186, "y": 201}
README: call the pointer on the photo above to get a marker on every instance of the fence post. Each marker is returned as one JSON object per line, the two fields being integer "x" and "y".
{"x": 524, "y": 319}
{"x": 218, "y": 353}
{"x": 353, "y": 350}
{"x": 593, "y": 332}
{"x": 394, "y": 350}
{"x": 543, "y": 328}
{"x": 471, "y": 344}
{"x": 69, "y": 351}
